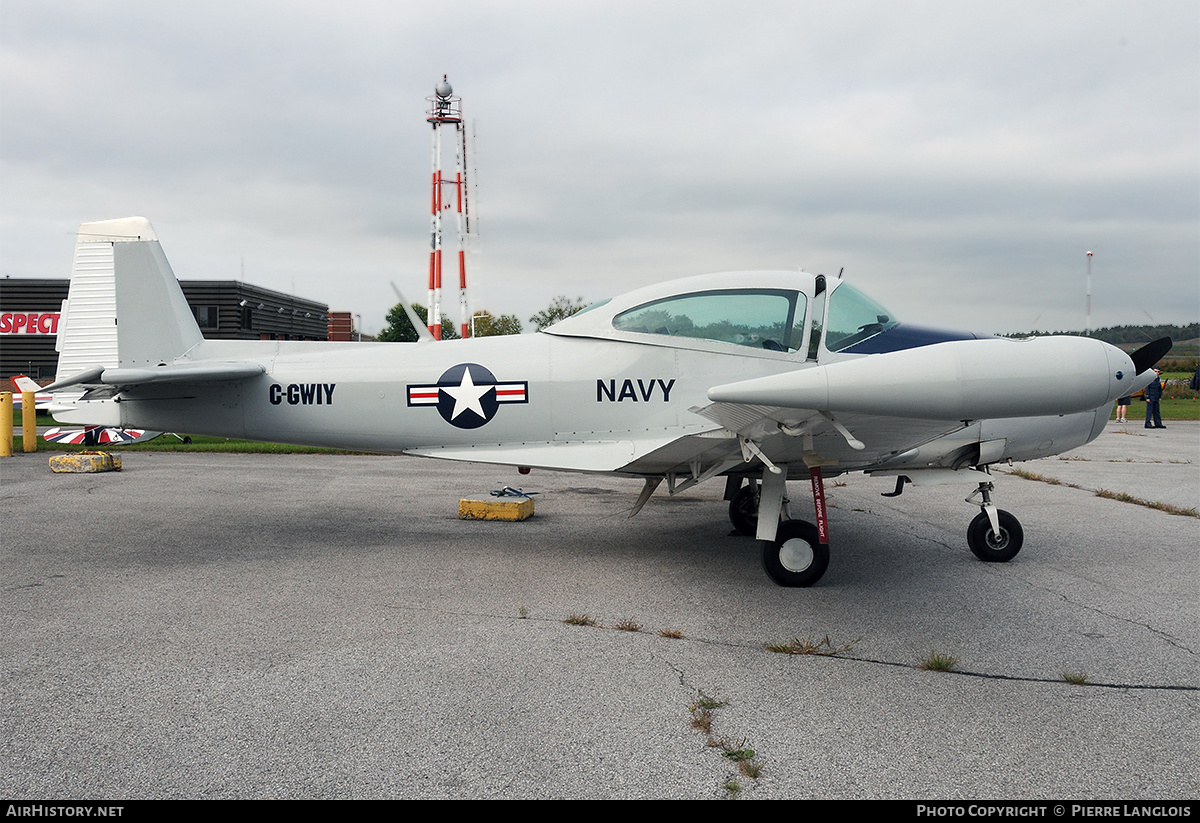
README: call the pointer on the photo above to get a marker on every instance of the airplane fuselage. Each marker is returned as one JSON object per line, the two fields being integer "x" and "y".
{"x": 534, "y": 390}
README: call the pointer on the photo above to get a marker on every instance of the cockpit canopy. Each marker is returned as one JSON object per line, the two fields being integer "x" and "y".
{"x": 771, "y": 312}
{"x": 760, "y": 318}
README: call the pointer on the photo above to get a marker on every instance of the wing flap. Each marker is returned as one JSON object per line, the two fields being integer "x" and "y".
{"x": 597, "y": 456}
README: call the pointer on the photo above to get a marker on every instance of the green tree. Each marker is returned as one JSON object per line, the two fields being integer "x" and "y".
{"x": 562, "y": 307}
{"x": 487, "y": 324}
{"x": 400, "y": 330}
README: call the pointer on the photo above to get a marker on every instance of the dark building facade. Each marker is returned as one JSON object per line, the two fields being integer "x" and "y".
{"x": 224, "y": 309}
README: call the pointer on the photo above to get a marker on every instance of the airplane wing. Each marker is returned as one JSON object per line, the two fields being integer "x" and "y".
{"x": 782, "y": 435}
{"x": 583, "y": 456}
{"x": 757, "y": 434}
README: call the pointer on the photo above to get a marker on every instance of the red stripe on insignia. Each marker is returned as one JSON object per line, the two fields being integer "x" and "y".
{"x": 510, "y": 392}
{"x": 423, "y": 395}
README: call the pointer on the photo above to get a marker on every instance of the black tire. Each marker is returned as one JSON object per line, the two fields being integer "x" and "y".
{"x": 795, "y": 557}
{"x": 743, "y": 510}
{"x": 986, "y": 546}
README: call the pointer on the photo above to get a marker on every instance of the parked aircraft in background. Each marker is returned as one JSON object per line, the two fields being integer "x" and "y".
{"x": 87, "y": 436}
{"x": 98, "y": 436}
{"x": 756, "y": 377}
{"x": 23, "y": 383}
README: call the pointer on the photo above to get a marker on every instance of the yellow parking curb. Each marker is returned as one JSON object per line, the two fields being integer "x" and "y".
{"x": 83, "y": 462}
{"x": 496, "y": 509}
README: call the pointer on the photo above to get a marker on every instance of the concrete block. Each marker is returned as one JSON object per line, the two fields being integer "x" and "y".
{"x": 84, "y": 462}
{"x": 496, "y": 508}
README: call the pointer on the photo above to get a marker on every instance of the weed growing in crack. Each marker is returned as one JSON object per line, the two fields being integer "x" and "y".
{"x": 824, "y": 647}
{"x": 750, "y": 768}
{"x": 581, "y": 620}
{"x": 702, "y": 721}
{"x": 938, "y": 662}
{"x": 743, "y": 756}
{"x": 736, "y": 751}
{"x": 702, "y": 713}
{"x": 1137, "y": 501}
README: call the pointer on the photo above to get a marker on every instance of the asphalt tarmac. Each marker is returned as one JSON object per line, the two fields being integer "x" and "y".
{"x": 249, "y": 626}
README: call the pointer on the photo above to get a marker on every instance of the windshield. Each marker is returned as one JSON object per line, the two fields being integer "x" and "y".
{"x": 853, "y": 318}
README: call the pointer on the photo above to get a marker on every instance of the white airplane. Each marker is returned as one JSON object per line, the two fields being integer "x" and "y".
{"x": 755, "y": 377}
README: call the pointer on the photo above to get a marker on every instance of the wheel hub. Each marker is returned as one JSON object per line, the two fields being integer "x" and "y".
{"x": 795, "y": 555}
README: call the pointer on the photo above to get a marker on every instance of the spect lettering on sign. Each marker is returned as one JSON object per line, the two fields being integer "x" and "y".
{"x": 29, "y": 322}
{"x": 467, "y": 395}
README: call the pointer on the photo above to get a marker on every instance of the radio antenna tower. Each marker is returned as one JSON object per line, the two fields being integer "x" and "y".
{"x": 447, "y": 111}
{"x": 1088, "y": 308}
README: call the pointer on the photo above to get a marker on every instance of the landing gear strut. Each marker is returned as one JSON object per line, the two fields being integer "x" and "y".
{"x": 995, "y": 536}
{"x": 743, "y": 509}
{"x": 794, "y": 552}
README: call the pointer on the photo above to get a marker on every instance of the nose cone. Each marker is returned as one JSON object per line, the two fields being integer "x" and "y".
{"x": 1123, "y": 375}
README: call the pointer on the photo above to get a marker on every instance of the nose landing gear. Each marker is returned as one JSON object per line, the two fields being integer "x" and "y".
{"x": 995, "y": 536}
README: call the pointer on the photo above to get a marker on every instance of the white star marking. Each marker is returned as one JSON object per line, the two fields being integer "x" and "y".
{"x": 466, "y": 395}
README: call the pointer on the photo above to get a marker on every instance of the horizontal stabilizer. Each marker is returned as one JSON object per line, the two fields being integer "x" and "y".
{"x": 202, "y": 372}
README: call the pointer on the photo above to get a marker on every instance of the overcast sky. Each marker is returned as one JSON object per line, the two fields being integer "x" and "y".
{"x": 957, "y": 159}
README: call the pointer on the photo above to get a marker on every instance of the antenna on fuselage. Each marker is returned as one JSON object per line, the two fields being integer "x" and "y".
{"x": 423, "y": 334}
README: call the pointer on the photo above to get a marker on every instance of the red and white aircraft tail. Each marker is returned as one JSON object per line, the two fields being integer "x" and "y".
{"x": 41, "y": 399}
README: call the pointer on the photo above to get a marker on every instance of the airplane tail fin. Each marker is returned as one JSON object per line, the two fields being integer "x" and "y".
{"x": 125, "y": 308}
{"x": 24, "y": 384}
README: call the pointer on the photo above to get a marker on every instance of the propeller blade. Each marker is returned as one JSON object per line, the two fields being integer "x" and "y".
{"x": 1149, "y": 354}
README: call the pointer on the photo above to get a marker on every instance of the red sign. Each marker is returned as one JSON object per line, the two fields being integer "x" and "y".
{"x": 818, "y": 486}
{"x": 29, "y": 322}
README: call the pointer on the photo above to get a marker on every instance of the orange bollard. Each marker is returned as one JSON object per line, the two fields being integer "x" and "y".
{"x": 6, "y": 424}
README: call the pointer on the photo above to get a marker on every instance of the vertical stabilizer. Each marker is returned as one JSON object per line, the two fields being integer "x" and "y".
{"x": 124, "y": 307}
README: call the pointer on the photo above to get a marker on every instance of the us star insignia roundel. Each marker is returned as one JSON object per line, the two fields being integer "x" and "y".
{"x": 467, "y": 395}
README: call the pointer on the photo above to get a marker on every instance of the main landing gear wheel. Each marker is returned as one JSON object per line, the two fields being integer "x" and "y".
{"x": 796, "y": 556}
{"x": 987, "y": 546}
{"x": 743, "y": 510}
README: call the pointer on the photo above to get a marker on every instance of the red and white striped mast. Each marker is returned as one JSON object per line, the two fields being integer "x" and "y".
{"x": 447, "y": 110}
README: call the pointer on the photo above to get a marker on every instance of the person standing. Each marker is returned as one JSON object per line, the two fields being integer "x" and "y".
{"x": 1154, "y": 394}
{"x": 1123, "y": 408}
